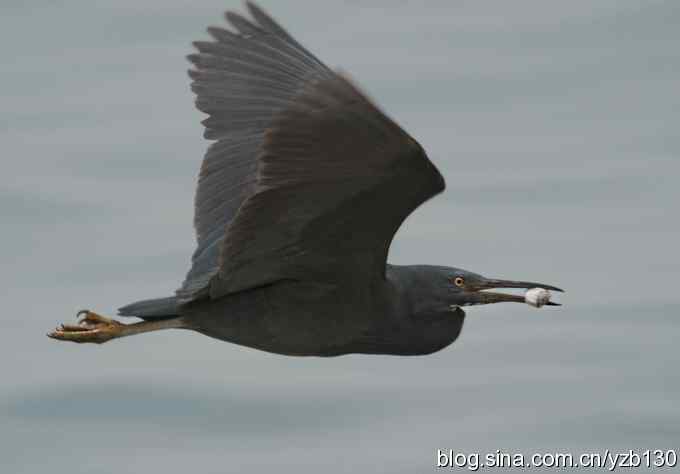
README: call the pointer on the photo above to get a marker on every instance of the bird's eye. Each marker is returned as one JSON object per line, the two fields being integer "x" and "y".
{"x": 459, "y": 281}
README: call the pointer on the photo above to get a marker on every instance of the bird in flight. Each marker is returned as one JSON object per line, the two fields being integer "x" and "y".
{"x": 298, "y": 199}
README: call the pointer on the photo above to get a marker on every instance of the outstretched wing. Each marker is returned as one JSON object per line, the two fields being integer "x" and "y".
{"x": 242, "y": 80}
{"x": 336, "y": 178}
{"x": 323, "y": 183}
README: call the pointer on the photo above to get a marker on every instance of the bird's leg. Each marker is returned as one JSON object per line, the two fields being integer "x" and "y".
{"x": 97, "y": 329}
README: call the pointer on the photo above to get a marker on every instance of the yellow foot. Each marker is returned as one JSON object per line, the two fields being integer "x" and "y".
{"x": 91, "y": 327}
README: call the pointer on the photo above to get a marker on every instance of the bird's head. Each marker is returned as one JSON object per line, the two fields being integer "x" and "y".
{"x": 430, "y": 300}
{"x": 439, "y": 290}
{"x": 468, "y": 289}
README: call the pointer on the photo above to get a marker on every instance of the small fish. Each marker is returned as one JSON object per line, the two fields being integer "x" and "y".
{"x": 538, "y": 297}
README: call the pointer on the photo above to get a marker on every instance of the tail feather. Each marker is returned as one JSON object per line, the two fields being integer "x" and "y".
{"x": 158, "y": 308}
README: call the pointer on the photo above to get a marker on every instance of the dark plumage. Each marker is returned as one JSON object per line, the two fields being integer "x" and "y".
{"x": 298, "y": 200}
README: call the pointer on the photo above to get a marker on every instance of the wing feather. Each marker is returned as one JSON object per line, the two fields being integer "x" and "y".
{"x": 242, "y": 80}
{"x": 336, "y": 178}
{"x": 306, "y": 179}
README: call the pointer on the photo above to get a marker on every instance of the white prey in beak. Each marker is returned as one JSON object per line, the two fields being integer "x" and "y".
{"x": 537, "y": 297}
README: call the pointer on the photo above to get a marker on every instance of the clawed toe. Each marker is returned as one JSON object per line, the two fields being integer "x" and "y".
{"x": 91, "y": 327}
{"x": 87, "y": 318}
{"x": 72, "y": 328}
{"x": 95, "y": 328}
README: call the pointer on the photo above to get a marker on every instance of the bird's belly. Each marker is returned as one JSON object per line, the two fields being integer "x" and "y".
{"x": 291, "y": 318}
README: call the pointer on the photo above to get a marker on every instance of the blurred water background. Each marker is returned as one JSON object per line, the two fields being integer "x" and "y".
{"x": 556, "y": 126}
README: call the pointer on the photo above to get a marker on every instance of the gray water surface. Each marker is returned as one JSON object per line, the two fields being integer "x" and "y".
{"x": 556, "y": 127}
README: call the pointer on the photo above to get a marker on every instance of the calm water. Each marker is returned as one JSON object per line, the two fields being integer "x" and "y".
{"x": 556, "y": 127}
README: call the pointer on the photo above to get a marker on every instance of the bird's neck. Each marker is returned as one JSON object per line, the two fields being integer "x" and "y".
{"x": 417, "y": 291}
{"x": 414, "y": 320}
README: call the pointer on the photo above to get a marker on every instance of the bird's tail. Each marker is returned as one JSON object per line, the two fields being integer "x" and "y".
{"x": 158, "y": 308}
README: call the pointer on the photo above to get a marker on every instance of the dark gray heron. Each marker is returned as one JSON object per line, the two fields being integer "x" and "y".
{"x": 298, "y": 200}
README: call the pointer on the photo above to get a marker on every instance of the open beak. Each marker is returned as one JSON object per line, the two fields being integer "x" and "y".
{"x": 486, "y": 297}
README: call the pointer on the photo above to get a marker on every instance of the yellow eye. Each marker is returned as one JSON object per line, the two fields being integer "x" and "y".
{"x": 459, "y": 281}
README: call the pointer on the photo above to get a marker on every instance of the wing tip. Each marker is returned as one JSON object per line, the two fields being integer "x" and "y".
{"x": 256, "y": 11}
{"x": 194, "y": 75}
{"x": 220, "y": 34}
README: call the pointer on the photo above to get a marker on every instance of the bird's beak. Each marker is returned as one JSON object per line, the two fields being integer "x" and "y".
{"x": 486, "y": 297}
